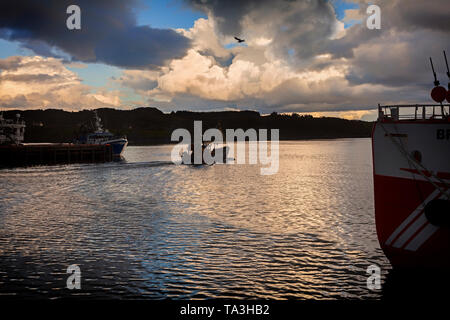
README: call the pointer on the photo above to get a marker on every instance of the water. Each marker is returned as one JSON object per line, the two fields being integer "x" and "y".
{"x": 146, "y": 228}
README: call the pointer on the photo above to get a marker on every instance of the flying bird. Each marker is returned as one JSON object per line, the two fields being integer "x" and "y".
{"x": 239, "y": 40}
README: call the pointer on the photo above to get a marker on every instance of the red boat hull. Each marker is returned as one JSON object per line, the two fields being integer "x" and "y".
{"x": 407, "y": 237}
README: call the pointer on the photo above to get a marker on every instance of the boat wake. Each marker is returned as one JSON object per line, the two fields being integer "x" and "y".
{"x": 119, "y": 165}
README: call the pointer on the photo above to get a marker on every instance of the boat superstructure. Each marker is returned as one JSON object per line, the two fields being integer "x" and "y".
{"x": 103, "y": 136}
{"x": 11, "y": 131}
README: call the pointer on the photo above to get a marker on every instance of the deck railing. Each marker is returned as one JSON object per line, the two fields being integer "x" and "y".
{"x": 414, "y": 112}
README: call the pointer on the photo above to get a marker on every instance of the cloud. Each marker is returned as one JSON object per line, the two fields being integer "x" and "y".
{"x": 108, "y": 34}
{"x": 297, "y": 57}
{"x": 39, "y": 83}
{"x": 399, "y": 58}
{"x": 356, "y": 75}
{"x": 353, "y": 15}
{"x": 205, "y": 38}
{"x": 299, "y": 28}
{"x": 140, "y": 81}
{"x": 416, "y": 14}
{"x": 397, "y": 55}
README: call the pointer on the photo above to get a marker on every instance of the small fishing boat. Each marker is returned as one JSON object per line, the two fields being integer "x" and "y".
{"x": 188, "y": 156}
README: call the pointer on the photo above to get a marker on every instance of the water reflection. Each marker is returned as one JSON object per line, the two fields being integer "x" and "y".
{"x": 148, "y": 228}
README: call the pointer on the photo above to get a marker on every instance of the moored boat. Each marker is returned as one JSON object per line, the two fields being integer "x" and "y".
{"x": 411, "y": 170}
{"x": 103, "y": 136}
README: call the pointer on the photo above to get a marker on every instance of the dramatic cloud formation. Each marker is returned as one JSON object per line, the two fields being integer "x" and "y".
{"x": 39, "y": 83}
{"x": 296, "y": 28}
{"x": 108, "y": 34}
{"x": 297, "y": 55}
{"x": 291, "y": 65}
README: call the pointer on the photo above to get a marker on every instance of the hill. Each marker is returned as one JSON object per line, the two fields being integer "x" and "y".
{"x": 146, "y": 126}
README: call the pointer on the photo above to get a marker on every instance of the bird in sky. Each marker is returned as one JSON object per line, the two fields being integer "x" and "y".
{"x": 239, "y": 40}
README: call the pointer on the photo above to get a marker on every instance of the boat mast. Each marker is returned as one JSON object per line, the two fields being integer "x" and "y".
{"x": 98, "y": 123}
{"x": 448, "y": 71}
{"x": 448, "y": 76}
{"x": 436, "y": 81}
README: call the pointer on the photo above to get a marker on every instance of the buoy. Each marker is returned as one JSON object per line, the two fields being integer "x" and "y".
{"x": 439, "y": 94}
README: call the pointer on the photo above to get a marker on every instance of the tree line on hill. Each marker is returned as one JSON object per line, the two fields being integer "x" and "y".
{"x": 147, "y": 126}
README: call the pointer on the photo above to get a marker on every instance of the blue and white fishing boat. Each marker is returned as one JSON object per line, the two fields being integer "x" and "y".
{"x": 103, "y": 136}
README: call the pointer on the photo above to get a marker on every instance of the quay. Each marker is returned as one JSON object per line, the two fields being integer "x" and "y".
{"x": 31, "y": 154}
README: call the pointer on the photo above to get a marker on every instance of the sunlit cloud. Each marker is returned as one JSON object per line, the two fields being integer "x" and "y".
{"x": 297, "y": 57}
{"x": 37, "y": 83}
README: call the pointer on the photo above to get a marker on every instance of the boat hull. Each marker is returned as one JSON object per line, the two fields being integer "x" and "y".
{"x": 411, "y": 163}
{"x": 118, "y": 146}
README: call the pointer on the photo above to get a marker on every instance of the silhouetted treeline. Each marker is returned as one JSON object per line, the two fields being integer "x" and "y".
{"x": 151, "y": 126}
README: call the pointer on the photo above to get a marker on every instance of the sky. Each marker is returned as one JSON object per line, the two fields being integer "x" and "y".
{"x": 306, "y": 56}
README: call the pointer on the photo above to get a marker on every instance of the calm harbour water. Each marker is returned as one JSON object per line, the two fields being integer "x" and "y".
{"x": 146, "y": 228}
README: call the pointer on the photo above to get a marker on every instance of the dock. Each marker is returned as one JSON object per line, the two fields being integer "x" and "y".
{"x": 32, "y": 154}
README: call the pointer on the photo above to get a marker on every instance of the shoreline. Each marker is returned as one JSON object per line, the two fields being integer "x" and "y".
{"x": 130, "y": 144}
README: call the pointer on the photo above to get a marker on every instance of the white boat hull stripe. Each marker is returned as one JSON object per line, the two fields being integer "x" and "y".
{"x": 408, "y": 233}
{"x": 411, "y": 217}
{"x": 423, "y": 236}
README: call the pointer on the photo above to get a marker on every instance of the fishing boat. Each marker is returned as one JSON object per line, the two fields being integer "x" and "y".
{"x": 103, "y": 136}
{"x": 411, "y": 171}
{"x": 188, "y": 158}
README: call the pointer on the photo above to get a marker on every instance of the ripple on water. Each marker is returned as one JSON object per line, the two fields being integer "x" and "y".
{"x": 147, "y": 228}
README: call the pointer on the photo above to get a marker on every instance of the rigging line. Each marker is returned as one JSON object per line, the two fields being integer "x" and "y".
{"x": 415, "y": 164}
{"x": 418, "y": 166}
{"x": 413, "y": 176}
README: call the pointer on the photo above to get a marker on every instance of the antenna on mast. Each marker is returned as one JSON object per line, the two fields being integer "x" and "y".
{"x": 448, "y": 75}
{"x": 436, "y": 81}
{"x": 446, "y": 63}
